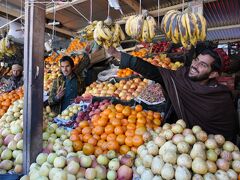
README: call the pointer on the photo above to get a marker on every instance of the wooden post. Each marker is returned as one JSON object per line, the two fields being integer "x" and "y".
{"x": 33, "y": 81}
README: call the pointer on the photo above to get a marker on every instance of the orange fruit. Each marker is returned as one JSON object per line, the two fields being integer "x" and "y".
{"x": 124, "y": 149}
{"x": 111, "y": 137}
{"x": 86, "y": 130}
{"x": 79, "y": 129}
{"x": 100, "y": 142}
{"x": 129, "y": 133}
{"x": 138, "y": 108}
{"x": 141, "y": 120}
{"x": 98, "y": 130}
{"x": 128, "y": 141}
{"x": 112, "y": 115}
{"x": 88, "y": 149}
{"x": 102, "y": 121}
{"x": 92, "y": 141}
{"x": 134, "y": 149}
{"x": 86, "y": 137}
{"x": 124, "y": 122}
{"x": 140, "y": 130}
{"x": 77, "y": 145}
{"x": 103, "y": 136}
{"x": 121, "y": 139}
{"x": 157, "y": 115}
{"x": 97, "y": 137}
{"x": 74, "y": 131}
{"x": 118, "y": 130}
{"x": 109, "y": 129}
{"x": 98, "y": 151}
{"x": 157, "y": 122}
{"x": 74, "y": 137}
{"x": 83, "y": 124}
{"x": 119, "y": 107}
{"x": 119, "y": 116}
{"x": 137, "y": 140}
{"x": 104, "y": 146}
{"x": 107, "y": 112}
{"x": 113, "y": 145}
{"x": 131, "y": 126}
{"x": 132, "y": 118}
{"x": 116, "y": 122}
{"x": 126, "y": 111}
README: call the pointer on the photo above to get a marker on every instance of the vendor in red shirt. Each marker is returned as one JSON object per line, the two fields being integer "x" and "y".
{"x": 195, "y": 95}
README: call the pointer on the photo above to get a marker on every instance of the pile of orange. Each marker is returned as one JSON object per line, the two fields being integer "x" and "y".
{"x": 140, "y": 53}
{"x": 6, "y": 99}
{"x": 75, "y": 45}
{"x": 118, "y": 128}
{"x": 125, "y": 72}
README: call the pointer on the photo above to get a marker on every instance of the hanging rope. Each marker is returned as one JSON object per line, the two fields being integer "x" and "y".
{"x": 54, "y": 17}
{"x": 6, "y": 4}
{"x": 140, "y": 7}
{"x": 183, "y": 5}
{"x": 91, "y": 11}
{"x": 158, "y": 21}
{"x": 108, "y": 9}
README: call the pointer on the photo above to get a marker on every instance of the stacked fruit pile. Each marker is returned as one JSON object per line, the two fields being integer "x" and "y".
{"x": 140, "y": 53}
{"x": 122, "y": 73}
{"x": 124, "y": 90}
{"x": 6, "y": 99}
{"x": 185, "y": 28}
{"x": 141, "y": 28}
{"x": 118, "y": 128}
{"x": 51, "y": 72}
{"x": 69, "y": 112}
{"x": 108, "y": 35}
{"x": 176, "y": 152}
{"x": 152, "y": 94}
{"x": 93, "y": 109}
{"x": 163, "y": 61}
{"x": 75, "y": 45}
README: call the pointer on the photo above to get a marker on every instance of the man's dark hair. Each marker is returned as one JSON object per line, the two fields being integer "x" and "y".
{"x": 67, "y": 58}
{"x": 217, "y": 63}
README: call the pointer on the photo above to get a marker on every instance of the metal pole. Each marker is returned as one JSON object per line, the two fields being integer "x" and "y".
{"x": 33, "y": 81}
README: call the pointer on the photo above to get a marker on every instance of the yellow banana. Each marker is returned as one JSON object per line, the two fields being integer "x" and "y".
{"x": 151, "y": 26}
{"x": 103, "y": 33}
{"x": 182, "y": 26}
{"x": 116, "y": 32}
{"x": 145, "y": 31}
{"x": 202, "y": 23}
{"x": 191, "y": 27}
{"x": 96, "y": 36}
{"x": 128, "y": 25}
{"x": 166, "y": 18}
{"x": 175, "y": 29}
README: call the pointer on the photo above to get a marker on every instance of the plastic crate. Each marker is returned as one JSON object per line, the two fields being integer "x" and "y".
{"x": 10, "y": 176}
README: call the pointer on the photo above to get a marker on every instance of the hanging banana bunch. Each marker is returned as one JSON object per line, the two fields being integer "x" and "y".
{"x": 108, "y": 35}
{"x": 87, "y": 32}
{"x": 6, "y": 47}
{"x": 185, "y": 28}
{"x": 141, "y": 28}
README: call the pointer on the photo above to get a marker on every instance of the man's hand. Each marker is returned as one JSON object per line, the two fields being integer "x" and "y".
{"x": 113, "y": 52}
{"x": 60, "y": 92}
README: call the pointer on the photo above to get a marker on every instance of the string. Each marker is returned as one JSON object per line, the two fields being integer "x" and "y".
{"x": 7, "y": 13}
{"x": 158, "y": 13}
{"x": 108, "y": 9}
{"x": 91, "y": 11}
{"x": 140, "y": 7}
{"x": 183, "y": 5}
{"x": 54, "y": 17}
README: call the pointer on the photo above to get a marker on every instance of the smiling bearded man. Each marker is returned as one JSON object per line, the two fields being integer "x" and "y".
{"x": 194, "y": 93}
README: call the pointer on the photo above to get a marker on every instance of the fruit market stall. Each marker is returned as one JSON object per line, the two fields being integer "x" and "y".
{"x": 116, "y": 128}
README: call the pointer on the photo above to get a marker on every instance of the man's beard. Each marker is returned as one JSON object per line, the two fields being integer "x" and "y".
{"x": 199, "y": 78}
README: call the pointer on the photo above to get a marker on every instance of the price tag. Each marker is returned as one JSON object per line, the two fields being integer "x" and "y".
{"x": 196, "y": 6}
